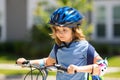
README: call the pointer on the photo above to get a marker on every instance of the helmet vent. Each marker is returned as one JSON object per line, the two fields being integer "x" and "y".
{"x": 57, "y": 17}
{"x": 63, "y": 16}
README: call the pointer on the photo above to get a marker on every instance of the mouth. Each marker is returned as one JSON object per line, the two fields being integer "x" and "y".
{"x": 61, "y": 38}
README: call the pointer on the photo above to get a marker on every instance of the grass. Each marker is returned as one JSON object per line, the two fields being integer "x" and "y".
{"x": 115, "y": 74}
{"x": 13, "y": 72}
{"x": 114, "y": 61}
{"x": 7, "y": 58}
{"x": 21, "y": 72}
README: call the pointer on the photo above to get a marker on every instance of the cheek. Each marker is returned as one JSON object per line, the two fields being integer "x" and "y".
{"x": 68, "y": 36}
{"x": 57, "y": 35}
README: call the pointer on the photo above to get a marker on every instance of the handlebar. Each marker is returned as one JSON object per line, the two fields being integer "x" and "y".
{"x": 44, "y": 69}
{"x": 57, "y": 66}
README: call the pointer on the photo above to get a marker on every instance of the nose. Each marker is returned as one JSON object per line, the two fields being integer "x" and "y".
{"x": 61, "y": 32}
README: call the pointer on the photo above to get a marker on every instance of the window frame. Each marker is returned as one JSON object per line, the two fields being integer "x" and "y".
{"x": 108, "y": 22}
{"x": 3, "y": 22}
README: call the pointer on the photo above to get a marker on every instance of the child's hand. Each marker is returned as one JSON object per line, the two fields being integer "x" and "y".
{"x": 72, "y": 69}
{"x": 20, "y": 61}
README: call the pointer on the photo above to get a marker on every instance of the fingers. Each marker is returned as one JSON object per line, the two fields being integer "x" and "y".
{"x": 72, "y": 69}
{"x": 20, "y": 61}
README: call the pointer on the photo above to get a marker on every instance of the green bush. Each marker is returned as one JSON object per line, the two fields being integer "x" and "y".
{"x": 106, "y": 49}
{"x": 38, "y": 47}
{"x": 42, "y": 49}
{"x": 26, "y": 49}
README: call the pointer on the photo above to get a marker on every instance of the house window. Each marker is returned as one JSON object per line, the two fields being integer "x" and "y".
{"x": 116, "y": 18}
{"x": 100, "y": 30}
{"x": 100, "y": 26}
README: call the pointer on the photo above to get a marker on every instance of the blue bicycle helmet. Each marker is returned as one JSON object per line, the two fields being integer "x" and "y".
{"x": 66, "y": 16}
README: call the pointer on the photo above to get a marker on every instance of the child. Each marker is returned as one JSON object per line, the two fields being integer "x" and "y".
{"x": 72, "y": 49}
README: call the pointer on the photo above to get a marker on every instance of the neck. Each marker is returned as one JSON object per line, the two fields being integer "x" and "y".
{"x": 67, "y": 44}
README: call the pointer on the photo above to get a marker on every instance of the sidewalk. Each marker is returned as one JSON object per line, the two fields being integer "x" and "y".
{"x": 11, "y": 67}
{"x": 113, "y": 69}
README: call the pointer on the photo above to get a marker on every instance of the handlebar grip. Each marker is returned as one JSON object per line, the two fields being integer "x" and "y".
{"x": 26, "y": 62}
{"x": 59, "y": 67}
{"x": 75, "y": 71}
{"x": 62, "y": 68}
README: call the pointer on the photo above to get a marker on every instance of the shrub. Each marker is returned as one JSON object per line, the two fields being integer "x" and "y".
{"x": 107, "y": 49}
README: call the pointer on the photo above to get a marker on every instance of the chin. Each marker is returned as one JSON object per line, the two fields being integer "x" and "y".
{"x": 63, "y": 40}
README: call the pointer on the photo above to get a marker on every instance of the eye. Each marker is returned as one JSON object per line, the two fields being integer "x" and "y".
{"x": 57, "y": 30}
{"x": 65, "y": 30}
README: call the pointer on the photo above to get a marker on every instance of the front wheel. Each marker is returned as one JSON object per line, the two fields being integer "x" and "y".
{"x": 36, "y": 74}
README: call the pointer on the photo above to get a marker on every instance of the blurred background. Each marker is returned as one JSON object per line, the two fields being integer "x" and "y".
{"x": 24, "y": 31}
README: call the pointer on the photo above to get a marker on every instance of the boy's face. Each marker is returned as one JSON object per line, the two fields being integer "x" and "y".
{"x": 64, "y": 34}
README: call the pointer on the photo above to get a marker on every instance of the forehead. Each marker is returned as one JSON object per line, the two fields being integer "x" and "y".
{"x": 59, "y": 27}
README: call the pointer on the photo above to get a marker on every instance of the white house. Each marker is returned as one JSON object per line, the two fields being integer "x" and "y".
{"x": 16, "y": 18}
{"x": 2, "y": 20}
{"x": 106, "y": 21}
{"x": 13, "y": 20}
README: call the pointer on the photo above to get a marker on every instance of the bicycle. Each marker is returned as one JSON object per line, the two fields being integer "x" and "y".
{"x": 42, "y": 71}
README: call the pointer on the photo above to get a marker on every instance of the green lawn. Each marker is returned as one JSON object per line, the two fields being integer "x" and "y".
{"x": 114, "y": 61}
{"x": 21, "y": 72}
{"x": 115, "y": 74}
{"x": 7, "y": 58}
{"x": 13, "y": 72}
